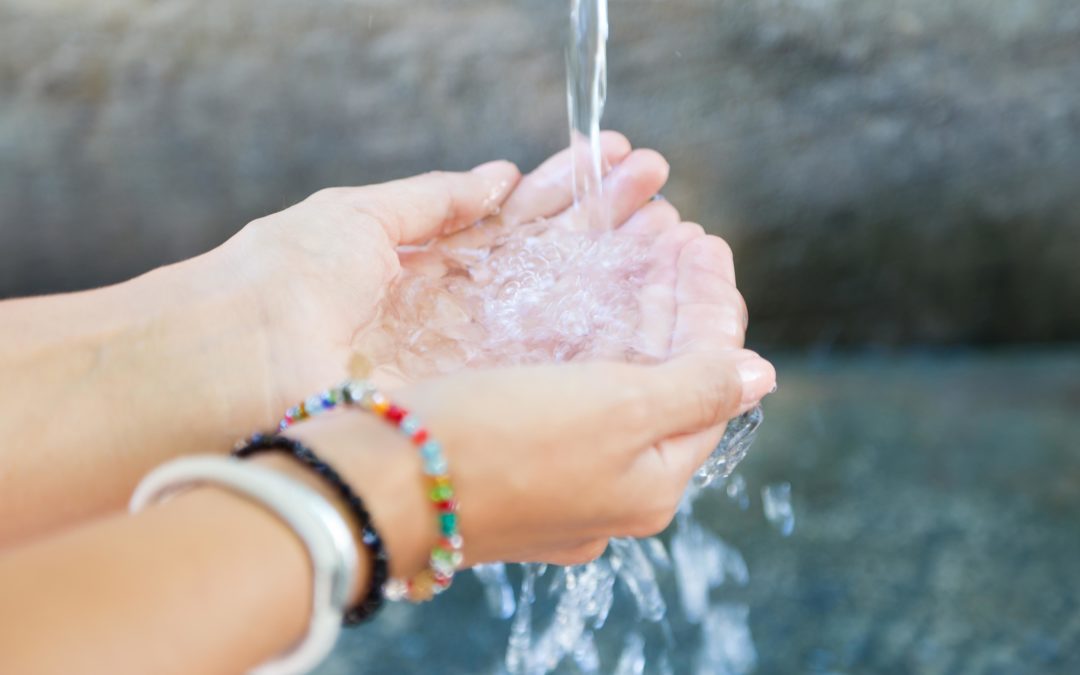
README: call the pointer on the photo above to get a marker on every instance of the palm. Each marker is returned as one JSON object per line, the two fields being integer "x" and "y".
{"x": 630, "y": 187}
{"x": 329, "y": 296}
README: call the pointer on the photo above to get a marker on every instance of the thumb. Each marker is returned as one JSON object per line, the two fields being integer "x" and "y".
{"x": 704, "y": 388}
{"x": 413, "y": 210}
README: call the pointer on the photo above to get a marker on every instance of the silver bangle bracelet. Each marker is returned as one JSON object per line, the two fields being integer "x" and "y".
{"x": 330, "y": 544}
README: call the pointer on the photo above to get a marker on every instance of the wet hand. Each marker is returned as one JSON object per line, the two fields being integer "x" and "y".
{"x": 551, "y": 461}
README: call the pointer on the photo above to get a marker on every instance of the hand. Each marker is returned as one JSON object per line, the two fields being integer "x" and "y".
{"x": 316, "y": 272}
{"x": 551, "y": 461}
{"x": 637, "y": 215}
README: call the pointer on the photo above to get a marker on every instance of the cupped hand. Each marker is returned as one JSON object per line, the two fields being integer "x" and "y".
{"x": 551, "y": 461}
{"x": 316, "y": 272}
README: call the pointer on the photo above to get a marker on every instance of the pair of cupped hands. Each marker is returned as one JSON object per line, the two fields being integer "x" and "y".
{"x": 549, "y": 461}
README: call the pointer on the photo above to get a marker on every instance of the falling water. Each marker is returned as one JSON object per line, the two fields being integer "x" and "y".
{"x": 586, "y": 94}
{"x": 699, "y": 560}
{"x": 566, "y": 290}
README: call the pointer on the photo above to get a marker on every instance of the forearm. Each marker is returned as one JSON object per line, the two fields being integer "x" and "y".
{"x": 206, "y": 583}
{"x": 101, "y": 386}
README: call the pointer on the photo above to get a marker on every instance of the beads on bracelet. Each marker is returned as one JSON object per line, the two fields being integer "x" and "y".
{"x": 446, "y": 557}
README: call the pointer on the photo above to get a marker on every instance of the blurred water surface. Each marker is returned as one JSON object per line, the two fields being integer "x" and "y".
{"x": 938, "y": 504}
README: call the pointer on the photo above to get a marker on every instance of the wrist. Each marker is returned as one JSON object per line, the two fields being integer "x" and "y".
{"x": 383, "y": 469}
{"x": 290, "y": 467}
{"x": 207, "y": 334}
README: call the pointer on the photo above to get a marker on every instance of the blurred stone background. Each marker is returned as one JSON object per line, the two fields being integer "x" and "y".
{"x": 889, "y": 172}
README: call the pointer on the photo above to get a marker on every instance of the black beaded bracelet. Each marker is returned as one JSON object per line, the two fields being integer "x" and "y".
{"x": 380, "y": 570}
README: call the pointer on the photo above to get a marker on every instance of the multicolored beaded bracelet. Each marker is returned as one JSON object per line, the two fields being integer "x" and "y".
{"x": 446, "y": 558}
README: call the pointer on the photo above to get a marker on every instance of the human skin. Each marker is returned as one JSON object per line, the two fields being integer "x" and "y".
{"x": 210, "y": 583}
{"x": 102, "y": 386}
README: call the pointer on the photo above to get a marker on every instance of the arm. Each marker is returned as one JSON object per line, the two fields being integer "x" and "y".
{"x": 101, "y": 386}
{"x": 206, "y": 583}
{"x": 209, "y": 583}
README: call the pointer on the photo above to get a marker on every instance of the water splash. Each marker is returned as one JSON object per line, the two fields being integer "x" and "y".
{"x": 703, "y": 562}
{"x": 497, "y": 589}
{"x": 635, "y": 570}
{"x": 632, "y": 658}
{"x": 584, "y": 596}
{"x": 558, "y": 290}
{"x": 735, "y": 489}
{"x": 730, "y": 647}
{"x": 519, "y": 646}
{"x": 732, "y": 449}
{"x": 535, "y": 293}
{"x": 776, "y": 501}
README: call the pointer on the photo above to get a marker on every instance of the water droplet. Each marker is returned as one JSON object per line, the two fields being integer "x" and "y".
{"x": 776, "y": 500}
{"x": 735, "y": 489}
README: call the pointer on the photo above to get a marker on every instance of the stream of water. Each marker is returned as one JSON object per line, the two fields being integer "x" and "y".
{"x": 567, "y": 289}
{"x": 698, "y": 560}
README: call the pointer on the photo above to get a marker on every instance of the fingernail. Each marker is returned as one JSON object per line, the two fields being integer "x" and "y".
{"x": 758, "y": 378}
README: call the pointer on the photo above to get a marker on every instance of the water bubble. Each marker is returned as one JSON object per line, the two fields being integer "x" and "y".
{"x": 776, "y": 500}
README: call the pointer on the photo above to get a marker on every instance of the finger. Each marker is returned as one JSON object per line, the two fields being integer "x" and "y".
{"x": 657, "y": 296}
{"x": 693, "y": 393}
{"x": 413, "y": 210}
{"x": 652, "y": 219}
{"x": 548, "y": 190}
{"x": 710, "y": 312}
{"x": 685, "y": 454}
{"x": 698, "y": 390}
{"x": 631, "y": 185}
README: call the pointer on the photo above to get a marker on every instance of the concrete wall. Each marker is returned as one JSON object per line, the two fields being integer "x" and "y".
{"x": 888, "y": 172}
